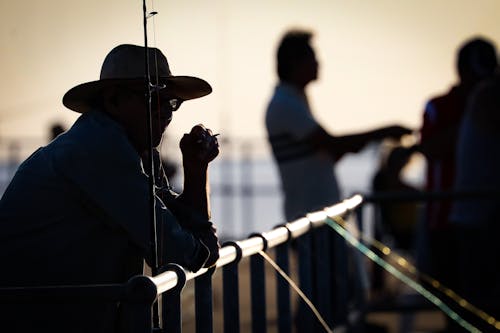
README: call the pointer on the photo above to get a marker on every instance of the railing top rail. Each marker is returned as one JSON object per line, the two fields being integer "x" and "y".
{"x": 169, "y": 279}
{"x": 273, "y": 238}
{"x": 424, "y": 196}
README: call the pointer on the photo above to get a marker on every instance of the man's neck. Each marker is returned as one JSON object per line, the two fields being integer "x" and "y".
{"x": 299, "y": 86}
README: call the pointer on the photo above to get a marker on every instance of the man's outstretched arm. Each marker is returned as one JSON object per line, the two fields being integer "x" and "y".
{"x": 340, "y": 145}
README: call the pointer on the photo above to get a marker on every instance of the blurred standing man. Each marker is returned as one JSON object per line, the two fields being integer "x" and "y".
{"x": 77, "y": 210}
{"x": 305, "y": 152}
{"x": 306, "y": 156}
{"x": 476, "y": 61}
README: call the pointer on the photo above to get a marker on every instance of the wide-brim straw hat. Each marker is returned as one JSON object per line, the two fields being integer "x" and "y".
{"x": 125, "y": 66}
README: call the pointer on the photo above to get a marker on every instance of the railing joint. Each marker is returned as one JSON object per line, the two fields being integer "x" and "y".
{"x": 264, "y": 240}
{"x": 289, "y": 232}
{"x": 239, "y": 251}
{"x": 181, "y": 275}
{"x": 141, "y": 289}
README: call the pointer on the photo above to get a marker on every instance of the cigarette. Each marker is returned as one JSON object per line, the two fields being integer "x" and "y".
{"x": 213, "y": 136}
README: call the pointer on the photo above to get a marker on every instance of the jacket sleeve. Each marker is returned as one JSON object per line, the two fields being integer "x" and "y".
{"x": 108, "y": 175}
{"x": 178, "y": 245}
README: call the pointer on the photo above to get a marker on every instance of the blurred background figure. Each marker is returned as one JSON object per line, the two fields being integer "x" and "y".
{"x": 169, "y": 167}
{"x": 395, "y": 223}
{"x": 305, "y": 152}
{"x": 56, "y": 129}
{"x": 477, "y": 221}
{"x": 476, "y": 60}
{"x": 398, "y": 219}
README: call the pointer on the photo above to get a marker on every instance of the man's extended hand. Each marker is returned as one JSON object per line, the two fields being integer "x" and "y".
{"x": 396, "y": 131}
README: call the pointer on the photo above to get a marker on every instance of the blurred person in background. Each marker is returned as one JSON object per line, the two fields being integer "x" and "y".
{"x": 305, "y": 152}
{"x": 56, "y": 129}
{"x": 477, "y": 221}
{"x": 395, "y": 221}
{"x": 398, "y": 219}
{"x": 476, "y": 60}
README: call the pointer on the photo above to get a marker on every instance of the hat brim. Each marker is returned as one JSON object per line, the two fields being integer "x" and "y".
{"x": 82, "y": 98}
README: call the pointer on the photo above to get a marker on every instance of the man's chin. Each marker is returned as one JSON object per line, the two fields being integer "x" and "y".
{"x": 156, "y": 143}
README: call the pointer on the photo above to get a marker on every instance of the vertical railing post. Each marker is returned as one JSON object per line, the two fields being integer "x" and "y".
{"x": 13, "y": 158}
{"x": 227, "y": 188}
{"x": 282, "y": 286}
{"x": 231, "y": 298}
{"x": 362, "y": 281}
{"x": 258, "y": 286}
{"x": 305, "y": 324}
{"x": 204, "y": 302}
{"x": 136, "y": 309}
{"x": 374, "y": 279}
{"x": 171, "y": 301}
{"x": 322, "y": 275}
{"x": 247, "y": 186}
{"x": 340, "y": 279}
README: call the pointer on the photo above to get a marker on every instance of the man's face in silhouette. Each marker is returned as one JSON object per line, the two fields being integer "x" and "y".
{"x": 127, "y": 106}
{"x": 307, "y": 67}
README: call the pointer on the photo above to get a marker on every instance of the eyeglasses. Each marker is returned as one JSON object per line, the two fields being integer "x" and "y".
{"x": 163, "y": 100}
{"x": 173, "y": 103}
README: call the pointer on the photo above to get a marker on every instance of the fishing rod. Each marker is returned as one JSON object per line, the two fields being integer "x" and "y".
{"x": 150, "y": 165}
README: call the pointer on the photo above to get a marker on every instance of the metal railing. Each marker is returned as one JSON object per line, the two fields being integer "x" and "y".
{"x": 325, "y": 274}
{"x": 140, "y": 292}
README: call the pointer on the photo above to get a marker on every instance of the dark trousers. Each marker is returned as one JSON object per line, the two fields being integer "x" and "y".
{"x": 478, "y": 267}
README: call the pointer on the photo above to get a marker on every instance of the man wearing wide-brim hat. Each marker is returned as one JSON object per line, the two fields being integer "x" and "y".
{"x": 76, "y": 212}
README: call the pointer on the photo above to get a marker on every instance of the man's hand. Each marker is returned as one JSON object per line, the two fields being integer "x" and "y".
{"x": 211, "y": 241}
{"x": 199, "y": 147}
{"x": 396, "y": 131}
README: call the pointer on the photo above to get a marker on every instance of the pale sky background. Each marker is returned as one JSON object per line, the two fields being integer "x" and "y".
{"x": 380, "y": 59}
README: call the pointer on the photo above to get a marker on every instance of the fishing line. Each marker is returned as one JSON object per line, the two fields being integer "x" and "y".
{"x": 298, "y": 291}
{"x": 406, "y": 265}
{"x": 335, "y": 225}
{"x": 462, "y": 302}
